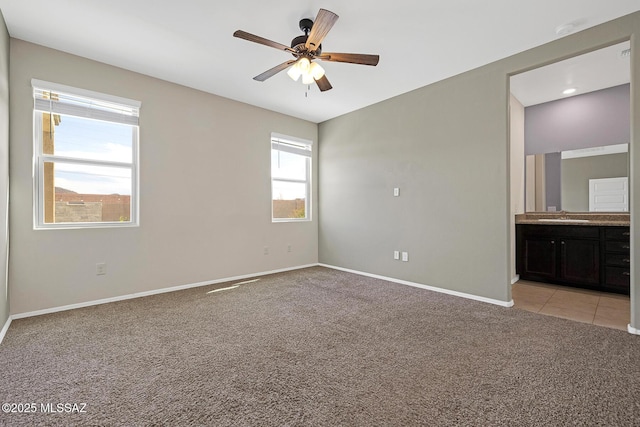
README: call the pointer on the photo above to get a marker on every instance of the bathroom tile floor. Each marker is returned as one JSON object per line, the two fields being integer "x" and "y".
{"x": 582, "y": 305}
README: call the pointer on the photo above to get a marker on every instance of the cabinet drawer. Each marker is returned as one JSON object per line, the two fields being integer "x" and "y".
{"x": 621, "y": 260}
{"x": 617, "y": 278}
{"x": 617, "y": 233}
{"x": 617, "y": 247}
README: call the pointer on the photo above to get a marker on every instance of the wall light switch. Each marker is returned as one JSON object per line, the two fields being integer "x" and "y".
{"x": 396, "y": 192}
{"x": 101, "y": 269}
{"x": 396, "y": 254}
{"x": 405, "y": 256}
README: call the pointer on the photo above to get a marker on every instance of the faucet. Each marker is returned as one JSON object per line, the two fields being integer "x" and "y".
{"x": 563, "y": 214}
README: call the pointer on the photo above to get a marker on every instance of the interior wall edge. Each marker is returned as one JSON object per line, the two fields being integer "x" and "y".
{"x": 5, "y": 306}
{"x": 5, "y": 328}
{"x": 634, "y": 177}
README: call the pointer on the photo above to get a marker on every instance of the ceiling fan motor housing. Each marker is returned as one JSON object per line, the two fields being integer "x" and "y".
{"x": 305, "y": 25}
{"x": 298, "y": 43}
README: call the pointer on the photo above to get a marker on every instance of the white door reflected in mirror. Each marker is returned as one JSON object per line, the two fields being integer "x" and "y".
{"x": 609, "y": 195}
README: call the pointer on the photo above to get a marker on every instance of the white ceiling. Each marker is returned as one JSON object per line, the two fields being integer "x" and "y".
{"x": 592, "y": 71}
{"x": 190, "y": 41}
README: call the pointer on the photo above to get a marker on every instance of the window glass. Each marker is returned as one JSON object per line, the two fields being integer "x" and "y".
{"x": 287, "y": 165}
{"x": 290, "y": 179}
{"x": 91, "y": 179}
{"x": 289, "y": 199}
{"x": 86, "y": 160}
{"x": 93, "y": 139}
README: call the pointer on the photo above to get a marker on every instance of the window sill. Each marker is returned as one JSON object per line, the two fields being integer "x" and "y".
{"x": 84, "y": 226}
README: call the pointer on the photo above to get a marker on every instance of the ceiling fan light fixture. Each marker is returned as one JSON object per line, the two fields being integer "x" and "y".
{"x": 316, "y": 71}
{"x": 300, "y": 68}
{"x": 304, "y": 64}
{"x": 310, "y": 71}
{"x": 307, "y": 79}
{"x": 294, "y": 72}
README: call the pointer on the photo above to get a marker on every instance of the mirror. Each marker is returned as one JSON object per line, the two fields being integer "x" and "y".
{"x": 584, "y": 180}
{"x": 575, "y": 130}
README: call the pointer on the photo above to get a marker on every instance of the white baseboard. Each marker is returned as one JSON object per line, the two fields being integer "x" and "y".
{"x": 151, "y": 292}
{"x": 515, "y": 279}
{"x": 5, "y": 328}
{"x": 427, "y": 287}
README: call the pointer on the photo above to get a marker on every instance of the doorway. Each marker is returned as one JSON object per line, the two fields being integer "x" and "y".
{"x": 562, "y": 109}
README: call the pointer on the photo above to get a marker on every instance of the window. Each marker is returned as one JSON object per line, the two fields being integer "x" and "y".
{"x": 86, "y": 158}
{"x": 290, "y": 179}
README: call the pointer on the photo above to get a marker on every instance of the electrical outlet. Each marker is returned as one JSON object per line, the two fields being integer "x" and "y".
{"x": 101, "y": 269}
{"x": 405, "y": 256}
{"x": 396, "y": 192}
{"x": 396, "y": 254}
{"x": 266, "y": 250}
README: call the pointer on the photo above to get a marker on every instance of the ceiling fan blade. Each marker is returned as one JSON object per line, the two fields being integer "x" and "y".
{"x": 323, "y": 23}
{"x": 273, "y": 71}
{"x": 323, "y": 84}
{"x": 261, "y": 40}
{"x": 352, "y": 58}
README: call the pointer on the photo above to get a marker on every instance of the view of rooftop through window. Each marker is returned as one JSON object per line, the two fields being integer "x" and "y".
{"x": 86, "y": 192}
{"x": 86, "y": 160}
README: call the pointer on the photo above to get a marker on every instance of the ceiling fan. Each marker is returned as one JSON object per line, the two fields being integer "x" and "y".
{"x": 305, "y": 49}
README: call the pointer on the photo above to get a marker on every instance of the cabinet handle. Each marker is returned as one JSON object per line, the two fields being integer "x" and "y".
{"x": 562, "y": 243}
{"x": 626, "y": 233}
{"x": 626, "y": 260}
{"x": 553, "y": 242}
{"x": 626, "y": 273}
{"x": 625, "y": 246}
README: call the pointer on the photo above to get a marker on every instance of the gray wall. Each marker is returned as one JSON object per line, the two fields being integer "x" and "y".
{"x": 446, "y": 146}
{"x": 582, "y": 121}
{"x": 4, "y": 170}
{"x": 577, "y": 172}
{"x": 197, "y": 150}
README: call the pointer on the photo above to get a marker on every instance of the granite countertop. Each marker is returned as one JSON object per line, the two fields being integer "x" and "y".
{"x": 568, "y": 218}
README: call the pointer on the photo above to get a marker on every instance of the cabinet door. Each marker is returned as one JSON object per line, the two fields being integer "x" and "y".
{"x": 616, "y": 279}
{"x": 540, "y": 257}
{"x": 580, "y": 261}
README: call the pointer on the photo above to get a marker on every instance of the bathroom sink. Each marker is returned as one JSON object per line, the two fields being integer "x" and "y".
{"x": 562, "y": 220}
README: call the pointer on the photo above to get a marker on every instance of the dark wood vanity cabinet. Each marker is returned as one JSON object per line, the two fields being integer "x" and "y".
{"x": 617, "y": 259}
{"x": 585, "y": 256}
{"x": 580, "y": 261}
{"x": 540, "y": 257}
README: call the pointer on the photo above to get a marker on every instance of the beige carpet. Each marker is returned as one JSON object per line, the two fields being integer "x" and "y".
{"x": 317, "y": 347}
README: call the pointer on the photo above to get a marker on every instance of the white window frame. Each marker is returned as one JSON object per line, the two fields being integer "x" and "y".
{"x": 301, "y": 147}
{"x": 39, "y": 159}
